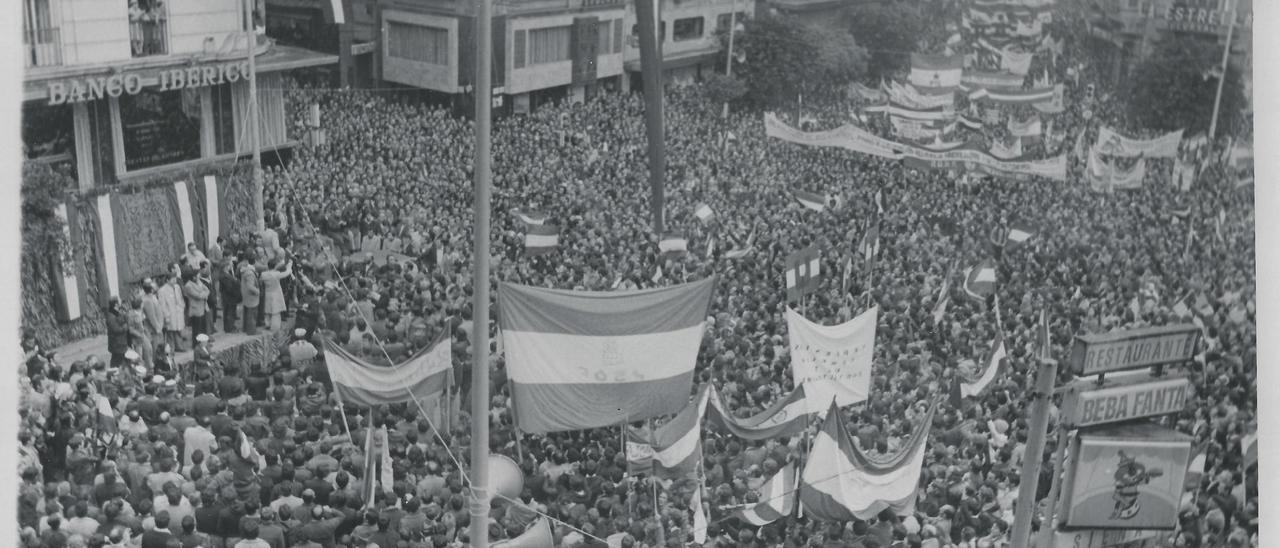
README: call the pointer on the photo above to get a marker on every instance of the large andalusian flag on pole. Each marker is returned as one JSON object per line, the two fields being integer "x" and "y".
{"x": 580, "y": 359}
{"x": 841, "y": 483}
{"x": 423, "y": 375}
{"x": 832, "y": 361}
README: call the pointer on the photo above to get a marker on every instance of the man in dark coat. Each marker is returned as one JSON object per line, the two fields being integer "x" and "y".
{"x": 117, "y": 333}
{"x": 229, "y": 285}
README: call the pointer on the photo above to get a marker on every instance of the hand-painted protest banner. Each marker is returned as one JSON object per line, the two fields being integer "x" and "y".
{"x": 1114, "y": 144}
{"x": 856, "y": 139}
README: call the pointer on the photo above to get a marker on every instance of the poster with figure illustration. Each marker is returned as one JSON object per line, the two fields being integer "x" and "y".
{"x": 1127, "y": 477}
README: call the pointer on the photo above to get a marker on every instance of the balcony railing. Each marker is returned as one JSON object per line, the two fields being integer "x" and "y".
{"x": 42, "y": 48}
{"x": 148, "y": 34}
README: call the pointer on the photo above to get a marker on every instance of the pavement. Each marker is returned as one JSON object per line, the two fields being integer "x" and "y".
{"x": 83, "y": 348}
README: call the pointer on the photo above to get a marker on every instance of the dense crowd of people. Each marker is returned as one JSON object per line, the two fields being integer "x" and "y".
{"x": 136, "y": 451}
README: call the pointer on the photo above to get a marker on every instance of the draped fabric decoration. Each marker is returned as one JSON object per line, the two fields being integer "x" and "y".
{"x": 841, "y": 482}
{"x": 788, "y": 416}
{"x": 136, "y": 231}
{"x": 424, "y": 375}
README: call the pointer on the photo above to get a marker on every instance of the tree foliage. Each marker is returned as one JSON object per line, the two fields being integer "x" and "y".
{"x": 723, "y": 89}
{"x": 1174, "y": 88}
{"x": 893, "y": 28}
{"x": 783, "y": 57}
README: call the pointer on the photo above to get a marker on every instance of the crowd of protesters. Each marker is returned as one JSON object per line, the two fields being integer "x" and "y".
{"x": 133, "y": 450}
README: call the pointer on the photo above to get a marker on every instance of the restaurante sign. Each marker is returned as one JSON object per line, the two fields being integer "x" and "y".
{"x": 92, "y": 88}
{"x": 1134, "y": 349}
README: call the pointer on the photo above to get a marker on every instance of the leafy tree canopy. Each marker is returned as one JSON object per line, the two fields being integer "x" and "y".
{"x": 1174, "y": 88}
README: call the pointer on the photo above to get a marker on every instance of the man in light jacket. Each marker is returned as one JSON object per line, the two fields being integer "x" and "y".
{"x": 174, "y": 309}
{"x": 250, "y": 295}
{"x": 197, "y": 306}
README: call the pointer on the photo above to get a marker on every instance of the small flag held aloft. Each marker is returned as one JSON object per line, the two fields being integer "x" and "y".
{"x": 803, "y": 270}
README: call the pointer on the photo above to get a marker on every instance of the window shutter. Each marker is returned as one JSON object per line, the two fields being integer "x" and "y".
{"x": 617, "y": 36}
{"x": 518, "y": 55}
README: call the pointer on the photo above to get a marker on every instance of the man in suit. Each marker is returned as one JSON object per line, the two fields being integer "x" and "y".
{"x": 250, "y": 296}
{"x": 229, "y": 286}
{"x": 158, "y": 537}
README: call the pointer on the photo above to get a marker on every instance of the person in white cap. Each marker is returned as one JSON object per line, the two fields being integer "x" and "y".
{"x": 301, "y": 351}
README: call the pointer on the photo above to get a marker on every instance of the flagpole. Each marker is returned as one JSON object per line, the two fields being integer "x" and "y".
{"x": 345, "y": 427}
{"x": 1049, "y": 523}
{"x": 728, "y": 63}
{"x": 480, "y": 284}
{"x": 251, "y": 41}
{"x": 1026, "y": 502}
{"x": 651, "y": 76}
{"x": 1222, "y": 78}
{"x": 662, "y": 531}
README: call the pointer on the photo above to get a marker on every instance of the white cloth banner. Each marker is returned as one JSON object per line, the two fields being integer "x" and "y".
{"x": 1114, "y": 144}
{"x": 832, "y": 361}
{"x": 852, "y": 138}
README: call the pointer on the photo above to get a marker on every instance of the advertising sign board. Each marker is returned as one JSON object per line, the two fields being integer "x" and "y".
{"x": 1127, "y": 402}
{"x": 1126, "y": 477}
{"x": 1134, "y": 348}
{"x": 1108, "y": 538}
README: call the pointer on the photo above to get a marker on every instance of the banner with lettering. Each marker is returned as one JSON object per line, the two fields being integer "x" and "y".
{"x": 1114, "y": 144}
{"x": 855, "y": 139}
{"x": 832, "y": 362}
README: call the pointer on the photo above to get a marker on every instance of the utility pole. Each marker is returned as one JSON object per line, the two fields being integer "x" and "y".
{"x": 1222, "y": 77}
{"x": 1025, "y": 510}
{"x": 251, "y": 43}
{"x": 480, "y": 281}
{"x": 1049, "y": 523}
{"x": 651, "y": 73}
{"x": 728, "y": 62}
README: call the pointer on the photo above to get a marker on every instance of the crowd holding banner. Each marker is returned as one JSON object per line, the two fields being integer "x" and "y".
{"x": 287, "y": 452}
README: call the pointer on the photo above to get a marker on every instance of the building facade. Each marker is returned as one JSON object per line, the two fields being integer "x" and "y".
{"x": 1137, "y": 26}
{"x": 545, "y": 50}
{"x": 121, "y": 91}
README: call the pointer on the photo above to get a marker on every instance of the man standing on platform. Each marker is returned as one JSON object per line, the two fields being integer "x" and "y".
{"x": 171, "y": 303}
{"x": 154, "y": 313}
{"x": 216, "y": 259}
{"x": 197, "y": 304}
{"x": 250, "y": 295}
{"x": 229, "y": 285}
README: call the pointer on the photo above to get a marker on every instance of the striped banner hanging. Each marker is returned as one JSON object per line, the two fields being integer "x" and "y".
{"x": 108, "y": 259}
{"x": 70, "y": 293}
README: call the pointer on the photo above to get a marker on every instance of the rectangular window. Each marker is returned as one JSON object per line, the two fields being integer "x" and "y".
{"x": 418, "y": 43}
{"x": 160, "y": 127}
{"x": 617, "y": 36}
{"x": 48, "y": 132}
{"x": 689, "y": 28}
{"x": 604, "y": 40}
{"x": 723, "y": 20}
{"x": 550, "y": 45}
{"x": 224, "y": 119}
{"x": 518, "y": 50}
{"x": 102, "y": 142}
